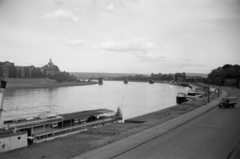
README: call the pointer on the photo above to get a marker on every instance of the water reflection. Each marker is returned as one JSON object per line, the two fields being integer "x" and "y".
{"x": 139, "y": 98}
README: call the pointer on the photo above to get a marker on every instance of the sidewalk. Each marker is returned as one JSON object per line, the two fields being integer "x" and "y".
{"x": 119, "y": 147}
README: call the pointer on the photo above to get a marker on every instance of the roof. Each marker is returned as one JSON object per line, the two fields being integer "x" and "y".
{"x": 67, "y": 116}
{"x": 8, "y": 133}
{"x": 85, "y": 114}
{"x": 181, "y": 94}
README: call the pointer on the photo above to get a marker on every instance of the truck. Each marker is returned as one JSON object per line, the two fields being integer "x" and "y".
{"x": 227, "y": 102}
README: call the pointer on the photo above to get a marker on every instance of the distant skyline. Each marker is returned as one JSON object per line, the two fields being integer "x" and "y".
{"x": 121, "y": 36}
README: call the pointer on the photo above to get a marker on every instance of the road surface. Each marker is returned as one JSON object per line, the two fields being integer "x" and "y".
{"x": 213, "y": 135}
{"x": 205, "y": 133}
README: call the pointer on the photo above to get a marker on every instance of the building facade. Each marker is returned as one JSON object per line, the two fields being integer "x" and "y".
{"x": 51, "y": 69}
{"x": 9, "y": 70}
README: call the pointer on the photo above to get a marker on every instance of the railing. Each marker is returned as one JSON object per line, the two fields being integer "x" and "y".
{"x": 73, "y": 128}
{"x": 26, "y": 123}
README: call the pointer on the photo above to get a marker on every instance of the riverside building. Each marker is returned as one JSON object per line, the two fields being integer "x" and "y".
{"x": 10, "y": 70}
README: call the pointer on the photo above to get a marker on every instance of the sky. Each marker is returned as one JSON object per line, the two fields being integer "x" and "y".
{"x": 121, "y": 36}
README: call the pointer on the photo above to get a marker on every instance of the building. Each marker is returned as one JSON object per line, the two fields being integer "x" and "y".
{"x": 9, "y": 70}
{"x": 50, "y": 68}
{"x": 6, "y": 68}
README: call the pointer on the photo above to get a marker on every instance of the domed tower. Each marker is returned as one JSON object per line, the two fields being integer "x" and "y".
{"x": 50, "y": 68}
{"x": 50, "y": 63}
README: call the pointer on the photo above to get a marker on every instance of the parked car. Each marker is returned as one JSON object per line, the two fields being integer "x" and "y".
{"x": 228, "y": 102}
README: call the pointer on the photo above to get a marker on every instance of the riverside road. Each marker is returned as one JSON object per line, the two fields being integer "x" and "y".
{"x": 212, "y": 135}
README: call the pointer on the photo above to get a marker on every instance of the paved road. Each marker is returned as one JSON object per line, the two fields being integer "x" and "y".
{"x": 206, "y": 133}
{"x": 213, "y": 135}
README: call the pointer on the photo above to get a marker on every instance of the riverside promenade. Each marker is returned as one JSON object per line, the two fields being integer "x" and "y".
{"x": 207, "y": 132}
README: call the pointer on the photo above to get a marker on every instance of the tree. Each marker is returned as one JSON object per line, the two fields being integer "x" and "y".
{"x": 225, "y": 72}
{"x": 119, "y": 113}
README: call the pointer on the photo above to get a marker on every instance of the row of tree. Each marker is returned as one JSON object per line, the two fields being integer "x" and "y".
{"x": 225, "y": 75}
{"x": 227, "y": 71}
{"x": 169, "y": 77}
{"x": 159, "y": 77}
{"x": 63, "y": 76}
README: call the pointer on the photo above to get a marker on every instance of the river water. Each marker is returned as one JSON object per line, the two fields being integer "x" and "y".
{"x": 134, "y": 98}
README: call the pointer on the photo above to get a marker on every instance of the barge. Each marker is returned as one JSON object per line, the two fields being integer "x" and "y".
{"x": 23, "y": 131}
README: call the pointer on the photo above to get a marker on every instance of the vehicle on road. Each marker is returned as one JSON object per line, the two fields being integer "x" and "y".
{"x": 228, "y": 102}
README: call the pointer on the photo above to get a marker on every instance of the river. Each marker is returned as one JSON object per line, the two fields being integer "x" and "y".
{"x": 134, "y": 98}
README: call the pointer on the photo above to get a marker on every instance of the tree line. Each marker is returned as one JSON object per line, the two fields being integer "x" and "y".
{"x": 169, "y": 77}
{"x": 226, "y": 71}
{"x": 159, "y": 77}
{"x": 63, "y": 76}
{"x": 226, "y": 75}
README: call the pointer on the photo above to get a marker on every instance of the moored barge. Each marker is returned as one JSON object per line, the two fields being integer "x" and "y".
{"x": 23, "y": 131}
{"x": 39, "y": 129}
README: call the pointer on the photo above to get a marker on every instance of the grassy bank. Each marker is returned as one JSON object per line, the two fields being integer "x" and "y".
{"x": 26, "y": 83}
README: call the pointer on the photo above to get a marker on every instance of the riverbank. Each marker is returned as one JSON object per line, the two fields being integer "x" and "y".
{"x": 26, "y": 83}
{"x": 96, "y": 137}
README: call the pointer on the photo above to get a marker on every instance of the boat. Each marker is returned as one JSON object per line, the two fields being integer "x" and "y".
{"x": 151, "y": 81}
{"x": 183, "y": 84}
{"x": 38, "y": 129}
{"x": 195, "y": 93}
{"x": 181, "y": 98}
{"x": 26, "y": 129}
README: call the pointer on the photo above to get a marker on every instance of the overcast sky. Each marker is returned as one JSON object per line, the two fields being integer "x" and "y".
{"x": 122, "y": 36}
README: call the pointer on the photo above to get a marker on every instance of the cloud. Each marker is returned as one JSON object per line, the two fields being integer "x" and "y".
{"x": 153, "y": 58}
{"x": 71, "y": 43}
{"x": 59, "y": 2}
{"x": 62, "y": 14}
{"x": 168, "y": 47}
{"x": 110, "y": 7}
{"x": 75, "y": 43}
{"x": 133, "y": 45}
{"x": 63, "y": 38}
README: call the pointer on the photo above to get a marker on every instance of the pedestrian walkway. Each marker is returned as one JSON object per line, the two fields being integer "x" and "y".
{"x": 119, "y": 147}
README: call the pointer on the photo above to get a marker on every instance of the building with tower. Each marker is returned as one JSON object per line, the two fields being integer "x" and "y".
{"x": 50, "y": 68}
{"x": 9, "y": 70}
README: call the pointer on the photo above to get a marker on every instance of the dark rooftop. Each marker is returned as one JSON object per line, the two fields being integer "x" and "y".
{"x": 84, "y": 114}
